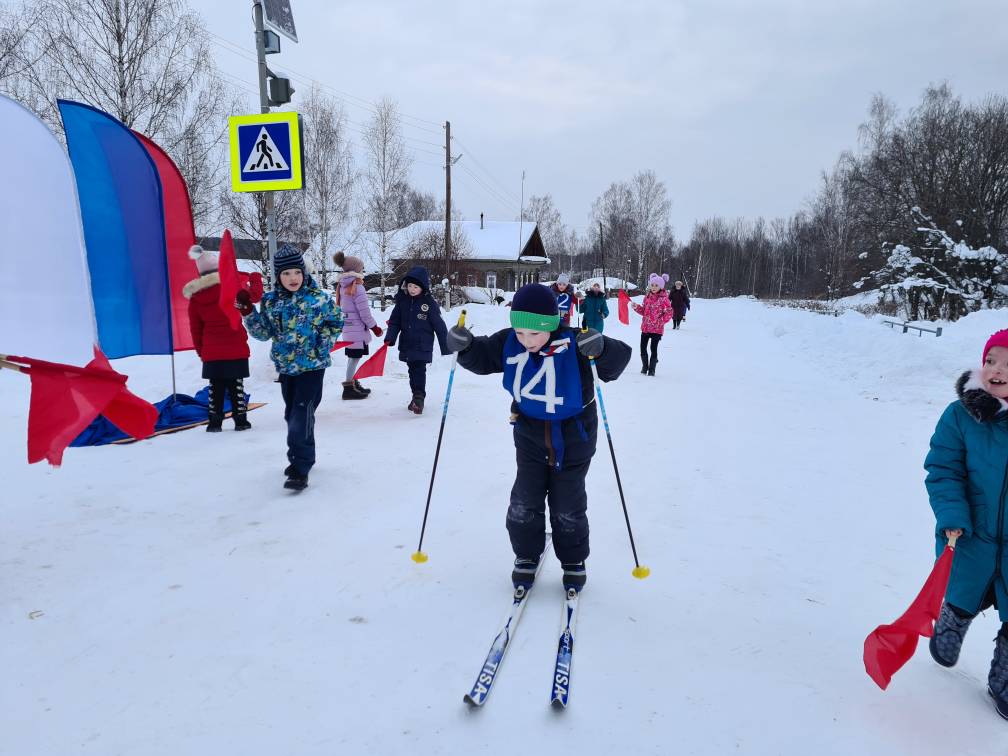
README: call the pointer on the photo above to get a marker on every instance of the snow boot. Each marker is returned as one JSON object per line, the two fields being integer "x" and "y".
{"x": 289, "y": 470}
{"x": 215, "y": 410}
{"x": 574, "y": 575}
{"x": 416, "y": 405}
{"x": 360, "y": 388}
{"x": 296, "y": 481}
{"x": 949, "y": 631}
{"x": 652, "y": 364}
{"x": 239, "y": 407}
{"x": 350, "y": 391}
{"x": 524, "y": 572}
{"x": 997, "y": 681}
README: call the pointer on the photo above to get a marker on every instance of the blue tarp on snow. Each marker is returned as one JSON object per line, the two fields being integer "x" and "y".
{"x": 173, "y": 412}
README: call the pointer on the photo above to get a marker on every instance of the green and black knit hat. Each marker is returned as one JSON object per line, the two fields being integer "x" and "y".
{"x": 535, "y": 308}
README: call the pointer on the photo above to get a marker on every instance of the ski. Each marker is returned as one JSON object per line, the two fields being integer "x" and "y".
{"x": 565, "y": 651}
{"x": 488, "y": 673}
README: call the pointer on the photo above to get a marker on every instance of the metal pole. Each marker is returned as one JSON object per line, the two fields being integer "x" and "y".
{"x": 521, "y": 214}
{"x": 264, "y": 107}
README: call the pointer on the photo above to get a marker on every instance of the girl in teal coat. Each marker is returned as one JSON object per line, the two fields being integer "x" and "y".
{"x": 594, "y": 308}
{"x": 967, "y": 483}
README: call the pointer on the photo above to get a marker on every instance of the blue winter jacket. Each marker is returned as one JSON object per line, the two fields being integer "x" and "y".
{"x": 967, "y": 481}
{"x": 416, "y": 320}
{"x": 302, "y": 324}
{"x": 595, "y": 310}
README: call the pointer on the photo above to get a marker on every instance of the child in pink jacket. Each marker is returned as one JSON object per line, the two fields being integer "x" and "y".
{"x": 656, "y": 311}
{"x": 359, "y": 323}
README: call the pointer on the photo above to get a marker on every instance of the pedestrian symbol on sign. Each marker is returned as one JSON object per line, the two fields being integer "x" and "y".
{"x": 265, "y": 156}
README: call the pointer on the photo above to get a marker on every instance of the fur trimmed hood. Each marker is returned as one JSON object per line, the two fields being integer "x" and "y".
{"x": 200, "y": 284}
{"x": 974, "y": 397}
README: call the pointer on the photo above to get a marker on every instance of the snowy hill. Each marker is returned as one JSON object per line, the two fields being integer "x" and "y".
{"x": 169, "y": 597}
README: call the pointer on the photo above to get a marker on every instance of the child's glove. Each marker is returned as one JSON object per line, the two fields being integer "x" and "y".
{"x": 243, "y": 301}
{"x": 459, "y": 339}
{"x": 376, "y": 330}
{"x": 590, "y": 343}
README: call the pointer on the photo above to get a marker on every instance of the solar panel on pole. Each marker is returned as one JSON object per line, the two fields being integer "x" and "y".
{"x": 277, "y": 14}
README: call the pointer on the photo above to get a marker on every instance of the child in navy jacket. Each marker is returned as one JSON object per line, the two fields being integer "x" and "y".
{"x": 547, "y": 372}
{"x": 415, "y": 321}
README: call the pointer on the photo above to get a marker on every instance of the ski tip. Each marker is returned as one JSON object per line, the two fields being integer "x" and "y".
{"x": 419, "y": 557}
{"x": 640, "y": 571}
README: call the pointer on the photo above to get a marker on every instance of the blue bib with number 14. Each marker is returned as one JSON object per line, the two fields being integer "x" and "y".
{"x": 547, "y": 385}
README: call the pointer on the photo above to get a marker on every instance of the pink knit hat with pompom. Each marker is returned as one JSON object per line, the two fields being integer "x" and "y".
{"x": 999, "y": 339}
{"x": 657, "y": 280}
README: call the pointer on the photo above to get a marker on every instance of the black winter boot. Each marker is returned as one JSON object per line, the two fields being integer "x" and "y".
{"x": 997, "y": 681}
{"x": 416, "y": 405}
{"x": 215, "y": 410}
{"x": 651, "y": 365}
{"x": 949, "y": 631}
{"x": 359, "y": 387}
{"x": 296, "y": 481}
{"x": 239, "y": 407}
{"x": 350, "y": 391}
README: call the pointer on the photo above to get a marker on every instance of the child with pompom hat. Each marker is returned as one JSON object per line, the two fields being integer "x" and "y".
{"x": 656, "y": 311}
{"x": 966, "y": 483}
{"x": 358, "y": 324}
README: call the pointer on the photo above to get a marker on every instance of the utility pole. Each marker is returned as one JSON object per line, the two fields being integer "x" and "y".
{"x": 447, "y": 212}
{"x": 264, "y": 104}
{"x": 521, "y": 214}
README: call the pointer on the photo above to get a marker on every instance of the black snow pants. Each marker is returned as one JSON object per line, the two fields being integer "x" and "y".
{"x": 538, "y": 481}
{"x": 302, "y": 394}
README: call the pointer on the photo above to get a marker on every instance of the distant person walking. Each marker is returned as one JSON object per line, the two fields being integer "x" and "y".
{"x": 656, "y": 311}
{"x": 679, "y": 299}
{"x": 594, "y": 308}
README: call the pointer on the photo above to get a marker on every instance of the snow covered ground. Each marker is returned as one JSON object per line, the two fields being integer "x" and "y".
{"x": 169, "y": 597}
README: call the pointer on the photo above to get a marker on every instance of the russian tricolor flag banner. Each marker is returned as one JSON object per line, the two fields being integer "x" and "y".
{"x": 121, "y": 211}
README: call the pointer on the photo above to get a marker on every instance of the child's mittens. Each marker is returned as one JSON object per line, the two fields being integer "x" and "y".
{"x": 980, "y": 404}
{"x": 243, "y": 301}
{"x": 459, "y": 338}
{"x": 590, "y": 343}
{"x": 376, "y": 330}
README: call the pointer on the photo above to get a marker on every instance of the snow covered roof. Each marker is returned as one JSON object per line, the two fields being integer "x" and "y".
{"x": 611, "y": 283}
{"x": 489, "y": 240}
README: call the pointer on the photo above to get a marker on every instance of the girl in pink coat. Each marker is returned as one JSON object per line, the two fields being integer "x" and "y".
{"x": 656, "y": 311}
{"x": 358, "y": 324}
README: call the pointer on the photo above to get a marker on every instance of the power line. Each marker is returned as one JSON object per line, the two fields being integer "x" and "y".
{"x": 485, "y": 170}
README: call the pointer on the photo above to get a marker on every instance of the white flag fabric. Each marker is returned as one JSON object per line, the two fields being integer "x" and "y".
{"x": 45, "y": 308}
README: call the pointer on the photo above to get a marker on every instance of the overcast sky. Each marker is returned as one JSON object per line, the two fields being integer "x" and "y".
{"x": 737, "y": 105}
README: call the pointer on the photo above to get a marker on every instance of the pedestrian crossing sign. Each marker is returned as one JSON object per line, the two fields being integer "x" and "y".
{"x": 265, "y": 152}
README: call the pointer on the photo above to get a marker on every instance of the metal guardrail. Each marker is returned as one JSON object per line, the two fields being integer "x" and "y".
{"x": 906, "y": 325}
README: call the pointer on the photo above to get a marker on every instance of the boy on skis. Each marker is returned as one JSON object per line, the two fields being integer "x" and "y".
{"x": 547, "y": 372}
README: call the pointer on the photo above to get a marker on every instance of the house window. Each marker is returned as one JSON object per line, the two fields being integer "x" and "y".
{"x": 491, "y": 280}
{"x": 470, "y": 280}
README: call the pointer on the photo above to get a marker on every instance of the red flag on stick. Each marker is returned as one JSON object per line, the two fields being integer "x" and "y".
{"x": 65, "y": 399}
{"x": 624, "y": 307}
{"x": 374, "y": 367}
{"x": 889, "y": 647}
{"x": 340, "y": 345}
{"x": 227, "y": 269}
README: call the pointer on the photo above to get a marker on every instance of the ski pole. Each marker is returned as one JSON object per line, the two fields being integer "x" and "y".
{"x": 418, "y": 556}
{"x": 639, "y": 571}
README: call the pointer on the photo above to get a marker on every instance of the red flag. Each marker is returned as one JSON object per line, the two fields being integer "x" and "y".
{"x": 65, "y": 399}
{"x": 374, "y": 367}
{"x": 227, "y": 268}
{"x": 624, "y": 308}
{"x": 340, "y": 345}
{"x": 889, "y": 647}
{"x": 179, "y": 237}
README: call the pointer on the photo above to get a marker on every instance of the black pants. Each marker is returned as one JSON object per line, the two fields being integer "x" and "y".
{"x": 301, "y": 394}
{"x": 653, "y": 338}
{"x": 537, "y": 481}
{"x": 417, "y": 376}
{"x": 676, "y": 320}
{"x": 231, "y": 388}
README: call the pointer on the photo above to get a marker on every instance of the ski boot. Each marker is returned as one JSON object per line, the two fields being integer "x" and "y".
{"x": 574, "y": 575}
{"x": 947, "y": 639}
{"x": 524, "y": 572}
{"x": 997, "y": 681}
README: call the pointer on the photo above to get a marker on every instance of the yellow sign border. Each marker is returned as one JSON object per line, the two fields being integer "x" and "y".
{"x": 295, "y": 181}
